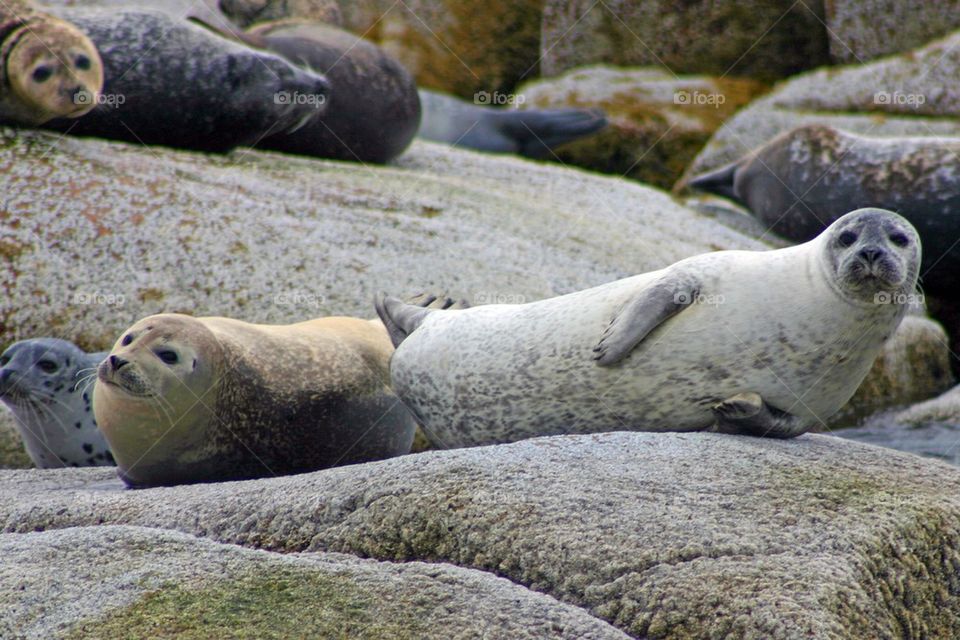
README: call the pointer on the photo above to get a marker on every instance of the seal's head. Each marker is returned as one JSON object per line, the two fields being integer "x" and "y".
{"x": 872, "y": 255}
{"x": 156, "y": 393}
{"x": 34, "y": 372}
{"x": 54, "y": 69}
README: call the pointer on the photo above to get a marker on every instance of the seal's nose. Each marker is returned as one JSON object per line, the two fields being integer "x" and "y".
{"x": 6, "y": 380}
{"x": 871, "y": 254}
{"x": 116, "y": 362}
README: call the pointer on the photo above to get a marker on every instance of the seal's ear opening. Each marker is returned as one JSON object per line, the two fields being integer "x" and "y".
{"x": 719, "y": 182}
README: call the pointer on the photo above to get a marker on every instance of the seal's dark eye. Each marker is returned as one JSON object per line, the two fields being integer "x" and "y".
{"x": 47, "y": 366}
{"x": 899, "y": 239}
{"x": 170, "y": 357}
{"x": 82, "y": 62}
{"x": 847, "y": 238}
{"x": 127, "y": 339}
{"x": 4, "y": 361}
{"x": 42, "y": 74}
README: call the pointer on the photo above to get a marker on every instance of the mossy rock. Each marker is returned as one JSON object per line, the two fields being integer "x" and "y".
{"x": 12, "y": 453}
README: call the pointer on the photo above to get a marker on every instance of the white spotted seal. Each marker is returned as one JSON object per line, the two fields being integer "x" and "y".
{"x": 168, "y": 81}
{"x": 532, "y": 133}
{"x": 804, "y": 179}
{"x": 47, "y": 384}
{"x": 755, "y": 342}
{"x": 183, "y": 399}
{"x": 48, "y": 67}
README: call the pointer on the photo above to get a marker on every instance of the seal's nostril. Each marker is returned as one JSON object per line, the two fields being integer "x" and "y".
{"x": 870, "y": 254}
{"x": 116, "y": 362}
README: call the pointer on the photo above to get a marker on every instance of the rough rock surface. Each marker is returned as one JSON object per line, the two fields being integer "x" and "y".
{"x": 861, "y": 30}
{"x": 914, "y": 94}
{"x": 12, "y": 453}
{"x": 131, "y": 582}
{"x": 913, "y": 366}
{"x": 454, "y": 46}
{"x": 247, "y": 12}
{"x": 663, "y": 535}
{"x": 657, "y": 121}
{"x": 766, "y": 39}
{"x": 95, "y": 235}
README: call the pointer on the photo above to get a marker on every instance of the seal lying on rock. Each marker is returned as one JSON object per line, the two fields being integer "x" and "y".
{"x": 183, "y": 399}
{"x": 48, "y": 67}
{"x": 804, "y": 179}
{"x": 762, "y": 343}
{"x": 171, "y": 82}
{"x": 531, "y": 133}
{"x": 373, "y": 112}
{"x": 47, "y": 383}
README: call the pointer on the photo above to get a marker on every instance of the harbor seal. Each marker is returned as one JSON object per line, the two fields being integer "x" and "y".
{"x": 804, "y": 179}
{"x": 531, "y": 133}
{"x": 766, "y": 343}
{"x": 171, "y": 82}
{"x": 373, "y": 112}
{"x": 47, "y": 384}
{"x": 48, "y": 67}
{"x": 183, "y": 399}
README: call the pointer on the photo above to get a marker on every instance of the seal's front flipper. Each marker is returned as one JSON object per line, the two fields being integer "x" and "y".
{"x": 720, "y": 182}
{"x": 748, "y": 414}
{"x": 663, "y": 299}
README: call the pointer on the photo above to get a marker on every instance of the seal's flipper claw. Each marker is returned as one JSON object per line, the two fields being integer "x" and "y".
{"x": 654, "y": 305}
{"x": 747, "y": 414}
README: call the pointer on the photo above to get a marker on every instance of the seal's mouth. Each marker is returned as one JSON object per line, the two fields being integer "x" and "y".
{"x": 124, "y": 380}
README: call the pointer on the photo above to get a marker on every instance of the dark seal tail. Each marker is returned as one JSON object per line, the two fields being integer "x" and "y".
{"x": 402, "y": 318}
{"x": 719, "y": 181}
{"x": 537, "y": 132}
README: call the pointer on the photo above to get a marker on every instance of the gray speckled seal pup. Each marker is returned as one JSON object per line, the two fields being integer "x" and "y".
{"x": 184, "y": 399}
{"x": 755, "y": 342}
{"x": 531, "y": 133}
{"x": 171, "y": 82}
{"x": 47, "y": 383}
{"x": 48, "y": 68}
{"x": 373, "y": 112}
{"x": 804, "y": 179}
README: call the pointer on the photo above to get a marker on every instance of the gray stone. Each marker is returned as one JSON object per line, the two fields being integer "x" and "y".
{"x": 663, "y": 535}
{"x": 657, "y": 122}
{"x": 914, "y": 94}
{"x": 95, "y": 235}
{"x": 131, "y": 582}
{"x": 861, "y": 30}
{"x": 765, "y": 39}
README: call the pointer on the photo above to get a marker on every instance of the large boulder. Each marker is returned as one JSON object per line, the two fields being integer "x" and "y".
{"x": 914, "y": 94}
{"x": 130, "y": 582}
{"x": 657, "y": 121}
{"x": 667, "y": 535}
{"x": 95, "y": 235}
{"x": 453, "y": 46}
{"x": 767, "y": 39}
{"x": 861, "y": 30}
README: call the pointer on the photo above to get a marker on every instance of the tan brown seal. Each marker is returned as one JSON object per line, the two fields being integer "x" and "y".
{"x": 182, "y": 399}
{"x": 48, "y": 67}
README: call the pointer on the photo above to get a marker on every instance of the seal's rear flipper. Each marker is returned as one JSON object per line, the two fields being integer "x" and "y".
{"x": 400, "y": 318}
{"x": 719, "y": 182}
{"x": 433, "y": 302}
{"x": 537, "y": 132}
{"x": 646, "y": 311}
